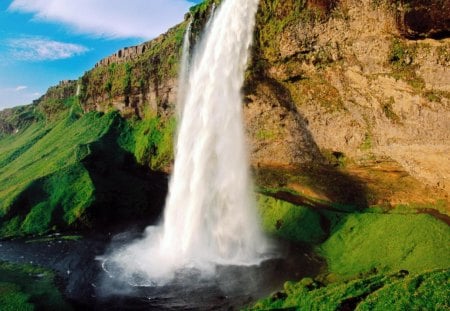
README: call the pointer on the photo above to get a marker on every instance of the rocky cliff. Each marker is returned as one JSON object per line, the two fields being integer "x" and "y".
{"x": 342, "y": 84}
{"x": 360, "y": 87}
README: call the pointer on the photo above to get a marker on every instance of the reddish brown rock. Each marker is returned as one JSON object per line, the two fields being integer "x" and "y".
{"x": 323, "y": 5}
{"x": 424, "y": 18}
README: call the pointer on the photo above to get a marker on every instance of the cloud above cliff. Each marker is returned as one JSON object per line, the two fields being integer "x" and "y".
{"x": 39, "y": 49}
{"x": 18, "y": 95}
{"x": 108, "y": 18}
{"x": 20, "y": 88}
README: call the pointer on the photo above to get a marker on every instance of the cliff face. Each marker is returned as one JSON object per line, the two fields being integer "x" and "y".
{"x": 345, "y": 102}
{"x": 341, "y": 84}
{"x": 142, "y": 80}
{"x": 344, "y": 85}
{"x": 137, "y": 80}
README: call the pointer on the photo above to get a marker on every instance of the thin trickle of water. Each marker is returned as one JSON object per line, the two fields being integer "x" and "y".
{"x": 183, "y": 79}
{"x": 211, "y": 17}
{"x": 78, "y": 92}
{"x": 210, "y": 215}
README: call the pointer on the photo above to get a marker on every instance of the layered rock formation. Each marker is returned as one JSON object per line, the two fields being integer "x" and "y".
{"x": 347, "y": 83}
{"x": 331, "y": 83}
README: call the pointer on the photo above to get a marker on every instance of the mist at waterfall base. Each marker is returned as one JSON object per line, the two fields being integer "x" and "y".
{"x": 210, "y": 217}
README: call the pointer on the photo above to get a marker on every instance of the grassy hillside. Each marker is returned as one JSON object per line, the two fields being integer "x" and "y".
{"x": 374, "y": 260}
{"x": 25, "y": 287}
{"x": 76, "y": 171}
{"x": 399, "y": 291}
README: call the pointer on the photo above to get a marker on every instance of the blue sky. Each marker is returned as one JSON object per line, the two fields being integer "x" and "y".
{"x": 45, "y": 41}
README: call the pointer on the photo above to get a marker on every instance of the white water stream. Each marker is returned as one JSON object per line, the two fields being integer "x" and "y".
{"x": 210, "y": 215}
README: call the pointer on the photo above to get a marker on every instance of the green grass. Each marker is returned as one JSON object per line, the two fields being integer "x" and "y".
{"x": 38, "y": 219}
{"x": 264, "y": 134}
{"x": 78, "y": 170}
{"x": 41, "y": 169}
{"x": 26, "y": 287}
{"x": 12, "y": 146}
{"x": 366, "y": 242}
{"x": 401, "y": 58}
{"x": 425, "y": 291}
{"x": 289, "y": 221}
{"x": 13, "y": 299}
{"x": 363, "y": 252}
{"x": 62, "y": 146}
{"x": 406, "y": 240}
{"x": 151, "y": 141}
{"x": 147, "y": 71}
{"x": 367, "y": 143}
{"x": 428, "y": 291}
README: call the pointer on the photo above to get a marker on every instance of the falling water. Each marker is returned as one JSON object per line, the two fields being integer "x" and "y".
{"x": 211, "y": 17}
{"x": 210, "y": 216}
{"x": 183, "y": 79}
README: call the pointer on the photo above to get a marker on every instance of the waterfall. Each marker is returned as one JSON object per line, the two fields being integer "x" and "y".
{"x": 183, "y": 79}
{"x": 211, "y": 16}
{"x": 210, "y": 215}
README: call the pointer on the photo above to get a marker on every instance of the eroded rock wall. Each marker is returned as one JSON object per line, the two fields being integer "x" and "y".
{"x": 346, "y": 81}
{"x": 345, "y": 84}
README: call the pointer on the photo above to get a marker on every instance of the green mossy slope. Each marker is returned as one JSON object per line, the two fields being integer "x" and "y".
{"x": 359, "y": 243}
{"x": 289, "y": 221}
{"x": 362, "y": 250}
{"x": 26, "y": 287}
{"x": 367, "y": 242}
{"x": 77, "y": 171}
{"x": 47, "y": 173}
{"x": 400, "y": 291}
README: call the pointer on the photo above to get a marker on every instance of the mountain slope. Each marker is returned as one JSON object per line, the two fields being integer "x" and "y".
{"x": 74, "y": 172}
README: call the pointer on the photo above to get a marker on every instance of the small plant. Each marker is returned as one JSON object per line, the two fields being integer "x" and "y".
{"x": 401, "y": 58}
{"x": 265, "y": 134}
{"x": 432, "y": 96}
{"x": 367, "y": 142}
{"x": 108, "y": 86}
{"x": 112, "y": 69}
{"x": 400, "y": 55}
{"x": 389, "y": 112}
{"x": 127, "y": 79}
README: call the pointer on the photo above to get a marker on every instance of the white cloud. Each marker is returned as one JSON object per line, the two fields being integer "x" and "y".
{"x": 109, "y": 18}
{"x": 39, "y": 49}
{"x": 11, "y": 96}
{"x": 20, "y": 88}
